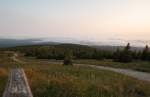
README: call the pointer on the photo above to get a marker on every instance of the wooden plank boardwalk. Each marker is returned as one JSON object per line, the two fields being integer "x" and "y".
{"x": 17, "y": 85}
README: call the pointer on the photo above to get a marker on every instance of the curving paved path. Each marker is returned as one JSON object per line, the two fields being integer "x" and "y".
{"x": 136, "y": 74}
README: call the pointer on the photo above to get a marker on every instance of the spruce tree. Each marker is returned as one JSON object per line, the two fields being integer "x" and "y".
{"x": 126, "y": 54}
{"x": 146, "y": 53}
{"x": 116, "y": 55}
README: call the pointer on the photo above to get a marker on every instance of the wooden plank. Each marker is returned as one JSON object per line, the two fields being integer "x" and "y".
{"x": 17, "y": 85}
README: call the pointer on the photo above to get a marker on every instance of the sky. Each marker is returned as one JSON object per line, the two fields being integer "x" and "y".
{"x": 93, "y": 20}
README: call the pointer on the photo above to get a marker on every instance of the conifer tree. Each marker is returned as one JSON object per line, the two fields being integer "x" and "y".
{"x": 116, "y": 55}
{"x": 146, "y": 53}
{"x": 125, "y": 54}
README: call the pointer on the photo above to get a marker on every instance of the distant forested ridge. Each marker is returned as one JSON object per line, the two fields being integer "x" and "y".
{"x": 59, "y": 51}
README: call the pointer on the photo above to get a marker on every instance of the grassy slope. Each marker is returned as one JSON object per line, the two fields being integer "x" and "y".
{"x": 60, "y": 81}
{"x": 68, "y": 81}
{"x": 135, "y": 65}
{"x": 48, "y": 80}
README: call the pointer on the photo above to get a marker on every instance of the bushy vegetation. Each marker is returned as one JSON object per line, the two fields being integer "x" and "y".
{"x": 123, "y": 56}
{"x": 58, "y": 52}
{"x": 68, "y": 59}
{"x": 146, "y": 53}
{"x": 126, "y": 55}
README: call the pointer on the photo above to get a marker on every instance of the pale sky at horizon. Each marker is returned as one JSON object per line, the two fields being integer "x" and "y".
{"x": 80, "y": 19}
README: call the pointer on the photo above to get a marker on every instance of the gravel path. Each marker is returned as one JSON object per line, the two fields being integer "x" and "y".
{"x": 136, "y": 74}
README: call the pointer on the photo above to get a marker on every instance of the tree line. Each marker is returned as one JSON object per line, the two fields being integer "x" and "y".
{"x": 61, "y": 51}
{"x": 127, "y": 55}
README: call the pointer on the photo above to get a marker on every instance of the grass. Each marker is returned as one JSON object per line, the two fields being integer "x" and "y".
{"x": 138, "y": 65}
{"x": 3, "y": 79}
{"x": 49, "y": 80}
{"x": 4, "y": 63}
{"x": 67, "y": 81}
{"x": 60, "y": 81}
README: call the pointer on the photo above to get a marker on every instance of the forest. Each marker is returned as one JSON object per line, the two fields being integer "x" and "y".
{"x": 60, "y": 51}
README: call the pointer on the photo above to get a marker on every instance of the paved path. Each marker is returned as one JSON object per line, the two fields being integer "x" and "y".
{"x": 14, "y": 58}
{"x": 17, "y": 85}
{"x": 136, "y": 74}
{"x": 145, "y": 76}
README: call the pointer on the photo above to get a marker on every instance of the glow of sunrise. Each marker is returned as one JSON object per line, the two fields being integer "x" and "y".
{"x": 80, "y": 19}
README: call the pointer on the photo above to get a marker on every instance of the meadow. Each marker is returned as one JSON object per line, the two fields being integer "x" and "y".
{"x": 137, "y": 65}
{"x": 52, "y": 80}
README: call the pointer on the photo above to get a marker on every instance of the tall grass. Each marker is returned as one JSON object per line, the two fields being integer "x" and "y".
{"x": 138, "y": 65}
{"x": 3, "y": 80}
{"x": 67, "y": 81}
{"x": 5, "y": 64}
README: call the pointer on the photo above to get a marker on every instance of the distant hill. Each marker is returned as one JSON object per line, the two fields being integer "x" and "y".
{"x": 21, "y": 42}
{"x": 30, "y": 42}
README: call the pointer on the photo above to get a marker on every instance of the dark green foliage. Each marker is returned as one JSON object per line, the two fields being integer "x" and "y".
{"x": 57, "y": 51}
{"x": 116, "y": 55}
{"x": 146, "y": 53}
{"x": 136, "y": 55}
{"x": 68, "y": 59}
{"x": 98, "y": 55}
{"x": 125, "y": 55}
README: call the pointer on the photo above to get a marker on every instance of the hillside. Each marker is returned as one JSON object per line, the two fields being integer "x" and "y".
{"x": 21, "y": 42}
{"x": 4, "y": 43}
